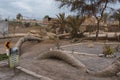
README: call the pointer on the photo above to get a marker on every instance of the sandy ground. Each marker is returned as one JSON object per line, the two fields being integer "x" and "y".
{"x": 56, "y": 69}
{"x": 59, "y": 70}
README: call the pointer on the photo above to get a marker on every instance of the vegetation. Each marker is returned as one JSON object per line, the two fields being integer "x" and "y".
{"x": 3, "y": 57}
{"x": 68, "y": 24}
{"x": 74, "y": 23}
{"x": 108, "y": 50}
{"x": 27, "y": 24}
{"x": 19, "y": 16}
{"x": 95, "y": 8}
{"x": 47, "y": 16}
{"x": 61, "y": 22}
{"x": 116, "y": 16}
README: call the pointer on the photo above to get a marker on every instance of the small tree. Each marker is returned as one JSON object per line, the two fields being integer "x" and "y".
{"x": 74, "y": 23}
{"x": 61, "y": 22}
{"x": 19, "y": 16}
{"x": 107, "y": 50}
{"x": 116, "y": 16}
{"x": 47, "y": 17}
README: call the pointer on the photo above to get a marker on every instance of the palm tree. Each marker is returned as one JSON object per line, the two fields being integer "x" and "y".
{"x": 61, "y": 22}
{"x": 74, "y": 23}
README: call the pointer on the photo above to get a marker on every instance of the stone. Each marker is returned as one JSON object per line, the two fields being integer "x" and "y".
{"x": 90, "y": 45}
{"x": 101, "y": 55}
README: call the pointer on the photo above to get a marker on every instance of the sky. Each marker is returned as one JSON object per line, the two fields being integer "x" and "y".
{"x": 35, "y": 9}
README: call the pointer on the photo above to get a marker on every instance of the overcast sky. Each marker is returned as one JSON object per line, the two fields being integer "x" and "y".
{"x": 30, "y": 8}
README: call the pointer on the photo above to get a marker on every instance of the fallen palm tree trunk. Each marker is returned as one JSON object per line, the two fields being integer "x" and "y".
{"x": 18, "y": 35}
{"x": 103, "y": 36}
{"x": 14, "y": 35}
{"x": 24, "y": 39}
{"x": 63, "y": 35}
{"x": 111, "y": 70}
{"x": 68, "y": 58}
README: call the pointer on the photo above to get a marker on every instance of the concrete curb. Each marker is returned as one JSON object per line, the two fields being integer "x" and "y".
{"x": 33, "y": 73}
{"x": 3, "y": 63}
{"x": 89, "y": 43}
{"x": 79, "y": 53}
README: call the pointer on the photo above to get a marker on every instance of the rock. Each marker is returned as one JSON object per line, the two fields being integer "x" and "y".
{"x": 90, "y": 45}
{"x": 110, "y": 56}
{"x": 101, "y": 55}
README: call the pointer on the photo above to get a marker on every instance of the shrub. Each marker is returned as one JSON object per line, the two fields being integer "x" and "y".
{"x": 57, "y": 45}
{"x": 3, "y": 57}
{"x": 27, "y": 24}
{"x": 107, "y": 50}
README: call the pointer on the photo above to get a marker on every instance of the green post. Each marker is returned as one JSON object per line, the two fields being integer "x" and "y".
{"x": 13, "y": 57}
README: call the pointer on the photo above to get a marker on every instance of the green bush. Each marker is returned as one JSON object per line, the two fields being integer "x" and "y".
{"x": 3, "y": 57}
{"x": 107, "y": 50}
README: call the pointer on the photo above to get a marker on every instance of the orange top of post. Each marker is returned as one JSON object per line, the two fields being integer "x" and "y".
{"x": 7, "y": 45}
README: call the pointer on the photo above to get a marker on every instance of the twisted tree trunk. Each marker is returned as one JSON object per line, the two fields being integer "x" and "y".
{"x": 111, "y": 70}
{"x": 68, "y": 58}
{"x": 24, "y": 39}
